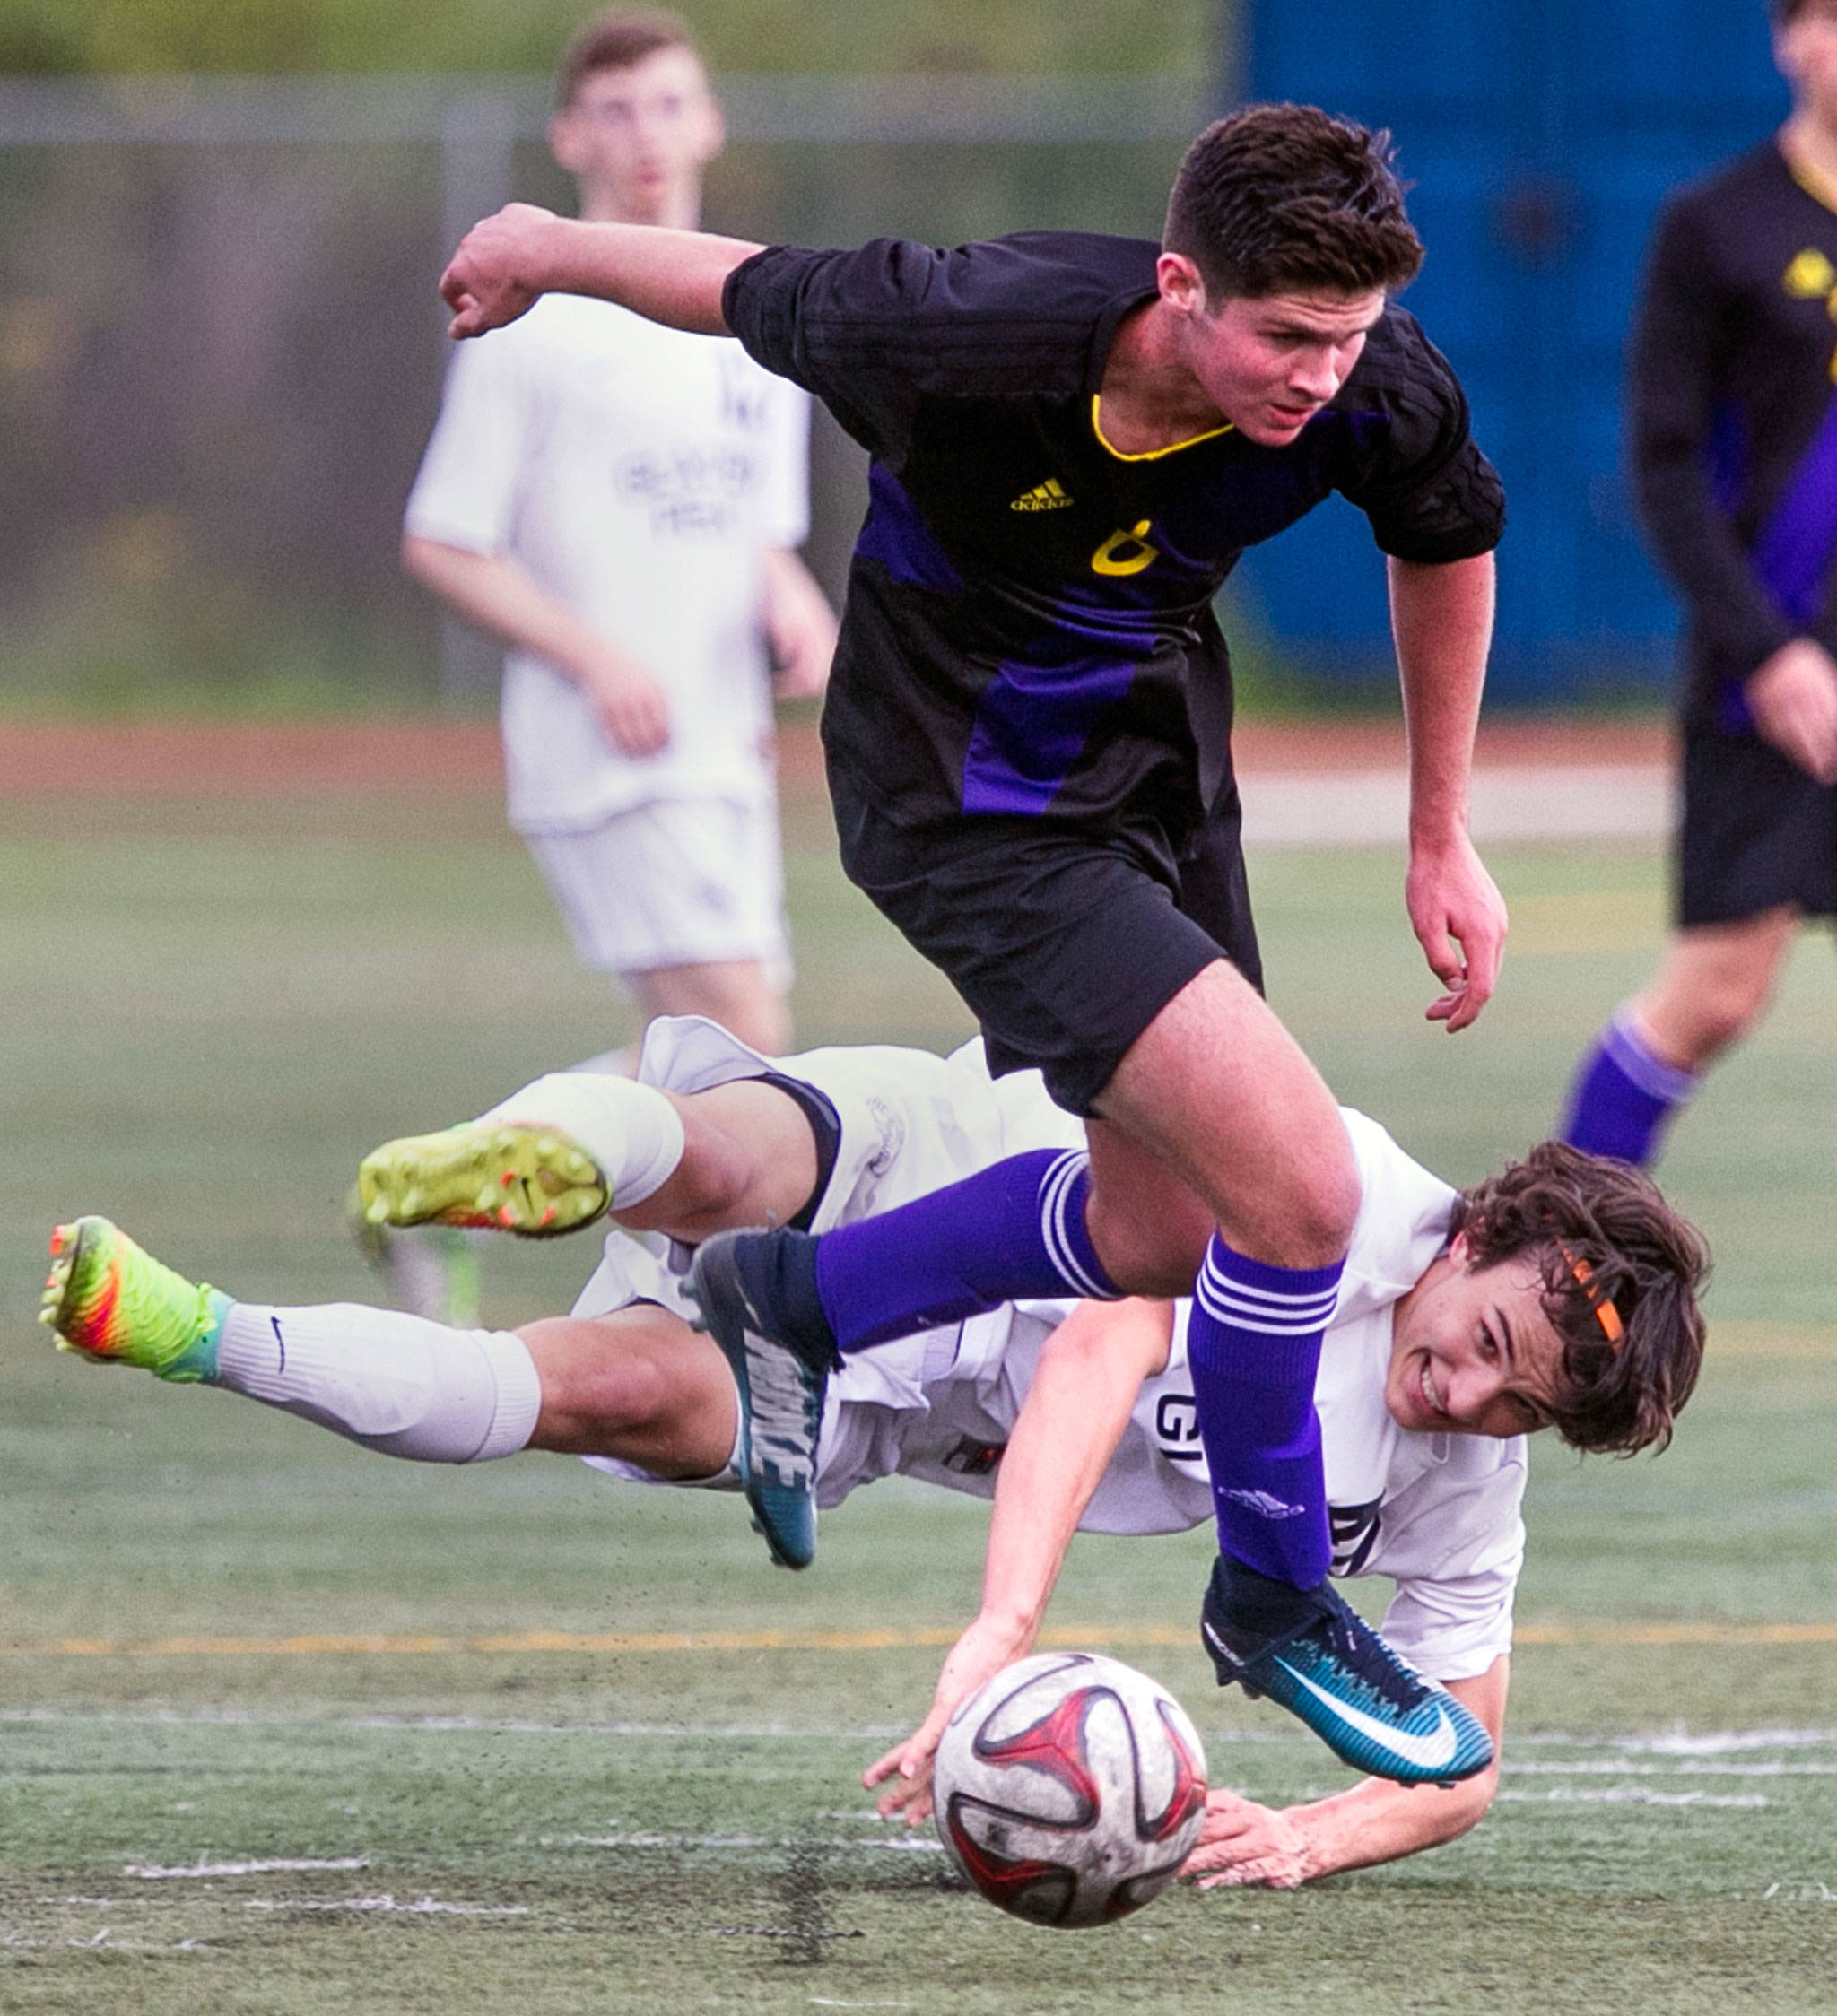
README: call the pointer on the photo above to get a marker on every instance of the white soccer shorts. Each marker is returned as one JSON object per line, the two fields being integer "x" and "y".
{"x": 679, "y": 881}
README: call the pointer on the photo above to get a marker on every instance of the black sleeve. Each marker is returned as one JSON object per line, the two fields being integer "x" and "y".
{"x": 1428, "y": 491}
{"x": 1672, "y": 397}
{"x": 873, "y": 332}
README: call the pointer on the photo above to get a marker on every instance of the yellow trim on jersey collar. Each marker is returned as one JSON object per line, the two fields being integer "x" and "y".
{"x": 1148, "y": 455}
{"x": 1818, "y": 186}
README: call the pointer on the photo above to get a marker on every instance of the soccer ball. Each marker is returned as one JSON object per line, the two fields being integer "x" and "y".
{"x": 1069, "y": 1788}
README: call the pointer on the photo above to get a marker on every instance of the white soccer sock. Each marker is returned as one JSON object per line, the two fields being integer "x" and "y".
{"x": 630, "y": 1130}
{"x": 397, "y": 1384}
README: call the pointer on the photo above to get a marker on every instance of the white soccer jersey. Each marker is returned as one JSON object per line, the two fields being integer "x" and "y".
{"x": 1439, "y": 1514}
{"x": 639, "y": 473}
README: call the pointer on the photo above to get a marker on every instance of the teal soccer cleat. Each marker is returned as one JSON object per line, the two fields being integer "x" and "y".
{"x": 781, "y": 1386}
{"x": 1320, "y": 1660}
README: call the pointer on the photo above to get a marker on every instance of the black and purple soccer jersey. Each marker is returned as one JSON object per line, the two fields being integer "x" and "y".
{"x": 1029, "y": 626}
{"x": 1735, "y": 419}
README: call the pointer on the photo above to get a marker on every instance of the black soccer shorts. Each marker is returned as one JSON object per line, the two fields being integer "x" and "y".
{"x": 1756, "y": 832}
{"x": 1066, "y": 941}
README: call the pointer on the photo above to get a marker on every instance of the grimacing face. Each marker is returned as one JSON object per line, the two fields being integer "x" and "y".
{"x": 1270, "y": 362}
{"x": 1473, "y": 1351}
{"x": 637, "y": 139}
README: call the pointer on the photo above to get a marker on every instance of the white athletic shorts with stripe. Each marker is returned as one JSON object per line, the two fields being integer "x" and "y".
{"x": 679, "y": 881}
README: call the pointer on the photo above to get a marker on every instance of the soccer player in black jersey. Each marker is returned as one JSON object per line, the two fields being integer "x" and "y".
{"x": 1735, "y": 448}
{"x": 1072, "y": 439}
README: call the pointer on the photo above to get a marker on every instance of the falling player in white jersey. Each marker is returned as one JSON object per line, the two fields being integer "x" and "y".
{"x": 1561, "y": 1293}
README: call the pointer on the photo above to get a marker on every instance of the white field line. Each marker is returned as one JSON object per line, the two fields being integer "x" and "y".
{"x": 906, "y": 1844}
{"x": 1673, "y": 1744}
{"x": 421, "y": 1907}
{"x": 1510, "y": 802}
{"x": 1629, "y": 1796}
{"x": 1708, "y": 1767}
{"x": 154, "y": 1873}
{"x": 1679, "y": 1742}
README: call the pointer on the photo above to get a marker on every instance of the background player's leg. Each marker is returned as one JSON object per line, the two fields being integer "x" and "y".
{"x": 1715, "y": 982}
{"x": 742, "y": 995}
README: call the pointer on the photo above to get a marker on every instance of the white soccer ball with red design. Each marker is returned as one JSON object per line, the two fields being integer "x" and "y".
{"x": 1070, "y": 1789}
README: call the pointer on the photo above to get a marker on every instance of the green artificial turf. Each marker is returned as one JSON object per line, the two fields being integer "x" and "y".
{"x": 209, "y": 1014}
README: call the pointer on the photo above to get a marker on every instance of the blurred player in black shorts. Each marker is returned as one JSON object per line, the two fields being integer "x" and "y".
{"x": 1734, "y": 401}
{"x": 1073, "y": 437}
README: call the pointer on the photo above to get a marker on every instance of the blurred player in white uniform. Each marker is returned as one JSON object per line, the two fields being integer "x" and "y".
{"x": 621, "y": 504}
{"x": 1442, "y": 1356}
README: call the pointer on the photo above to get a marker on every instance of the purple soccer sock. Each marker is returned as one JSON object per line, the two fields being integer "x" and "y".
{"x": 1253, "y": 1345}
{"x": 1624, "y": 1097}
{"x": 1010, "y": 1232}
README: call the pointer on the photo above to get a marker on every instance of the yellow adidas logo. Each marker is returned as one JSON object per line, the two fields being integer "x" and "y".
{"x": 1048, "y": 496}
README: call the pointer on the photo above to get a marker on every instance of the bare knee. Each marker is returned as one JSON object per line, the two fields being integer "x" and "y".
{"x": 1715, "y": 984}
{"x": 737, "y": 994}
{"x": 593, "y": 1399}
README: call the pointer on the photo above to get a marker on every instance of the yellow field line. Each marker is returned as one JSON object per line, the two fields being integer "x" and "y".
{"x": 333, "y": 1644}
{"x": 1772, "y": 1339}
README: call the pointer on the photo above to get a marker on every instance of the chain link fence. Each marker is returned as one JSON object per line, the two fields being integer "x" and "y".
{"x": 221, "y": 350}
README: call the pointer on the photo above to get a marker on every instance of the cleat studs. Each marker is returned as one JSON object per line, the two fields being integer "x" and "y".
{"x": 507, "y": 1218}
{"x": 487, "y": 1201}
{"x": 378, "y": 1211}
{"x": 507, "y": 1178}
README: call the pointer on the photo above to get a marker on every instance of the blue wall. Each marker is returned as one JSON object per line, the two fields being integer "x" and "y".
{"x": 1541, "y": 135}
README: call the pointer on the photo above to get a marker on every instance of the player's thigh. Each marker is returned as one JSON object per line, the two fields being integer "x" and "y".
{"x": 1065, "y": 941}
{"x": 742, "y": 995}
{"x": 1220, "y": 1092}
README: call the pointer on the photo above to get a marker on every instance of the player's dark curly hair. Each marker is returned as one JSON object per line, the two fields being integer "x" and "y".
{"x": 1282, "y": 199}
{"x": 1603, "y": 1235}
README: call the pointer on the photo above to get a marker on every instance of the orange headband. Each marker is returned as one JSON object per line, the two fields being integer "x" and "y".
{"x": 1605, "y": 1313}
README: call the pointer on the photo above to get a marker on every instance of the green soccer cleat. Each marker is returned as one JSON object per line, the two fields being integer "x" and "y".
{"x": 497, "y": 1176}
{"x": 111, "y": 1301}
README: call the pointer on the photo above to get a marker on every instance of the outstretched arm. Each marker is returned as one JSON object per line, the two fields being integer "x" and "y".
{"x": 1281, "y": 1847}
{"x": 1090, "y": 1371}
{"x": 1442, "y": 619}
{"x": 507, "y": 262}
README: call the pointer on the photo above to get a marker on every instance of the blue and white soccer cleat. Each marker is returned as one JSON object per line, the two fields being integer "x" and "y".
{"x": 781, "y": 1369}
{"x": 1324, "y": 1664}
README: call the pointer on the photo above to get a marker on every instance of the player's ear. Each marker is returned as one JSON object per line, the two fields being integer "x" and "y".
{"x": 714, "y": 134}
{"x": 1461, "y": 1250}
{"x": 1181, "y": 285}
